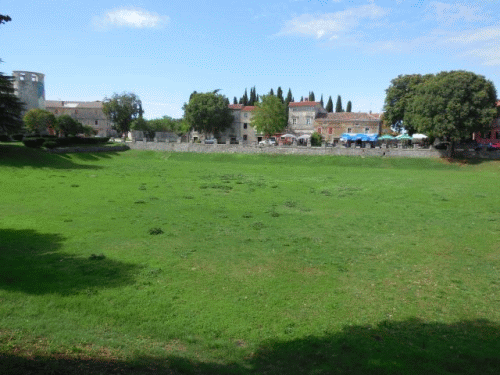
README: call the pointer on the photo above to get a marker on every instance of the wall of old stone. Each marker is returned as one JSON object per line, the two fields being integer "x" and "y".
{"x": 30, "y": 89}
{"x": 290, "y": 150}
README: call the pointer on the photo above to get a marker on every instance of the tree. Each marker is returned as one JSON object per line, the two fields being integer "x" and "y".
{"x": 122, "y": 109}
{"x": 11, "y": 107}
{"x": 270, "y": 115}
{"x": 348, "y": 108}
{"x": 338, "y": 106}
{"x": 397, "y": 97}
{"x": 279, "y": 94}
{"x": 235, "y": 101}
{"x": 311, "y": 96}
{"x": 4, "y": 19}
{"x": 253, "y": 96}
{"x": 329, "y": 105}
{"x": 452, "y": 105}
{"x": 321, "y": 101}
{"x": 271, "y": 92}
{"x": 244, "y": 98}
{"x": 208, "y": 113}
{"x": 67, "y": 125}
{"x": 37, "y": 120}
{"x": 289, "y": 98}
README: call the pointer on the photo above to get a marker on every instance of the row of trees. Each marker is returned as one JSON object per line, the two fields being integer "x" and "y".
{"x": 448, "y": 105}
{"x": 38, "y": 120}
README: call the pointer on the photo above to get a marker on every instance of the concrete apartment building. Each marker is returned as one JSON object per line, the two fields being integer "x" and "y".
{"x": 88, "y": 113}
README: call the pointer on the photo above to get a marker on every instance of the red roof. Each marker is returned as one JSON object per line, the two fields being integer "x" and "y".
{"x": 303, "y": 104}
{"x": 348, "y": 116}
{"x": 249, "y": 108}
{"x": 236, "y": 106}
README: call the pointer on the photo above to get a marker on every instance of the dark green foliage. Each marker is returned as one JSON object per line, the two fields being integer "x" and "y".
{"x": 244, "y": 98}
{"x": 50, "y": 144}
{"x": 452, "y": 105}
{"x": 208, "y": 113}
{"x": 271, "y": 92}
{"x": 270, "y": 115}
{"x": 253, "y": 96}
{"x": 329, "y": 105}
{"x": 38, "y": 120}
{"x": 397, "y": 99}
{"x": 10, "y": 107}
{"x": 33, "y": 142}
{"x": 5, "y": 138}
{"x": 4, "y": 19}
{"x": 311, "y": 96}
{"x": 279, "y": 94}
{"x": 235, "y": 101}
{"x": 289, "y": 97}
{"x": 349, "y": 106}
{"x": 122, "y": 109}
{"x": 321, "y": 101}
{"x": 67, "y": 125}
{"x": 338, "y": 106}
{"x": 17, "y": 137}
{"x": 316, "y": 139}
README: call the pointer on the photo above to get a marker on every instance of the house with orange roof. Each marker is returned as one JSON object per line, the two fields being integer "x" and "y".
{"x": 332, "y": 125}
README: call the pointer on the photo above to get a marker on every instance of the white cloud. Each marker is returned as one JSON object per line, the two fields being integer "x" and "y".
{"x": 481, "y": 35}
{"x": 451, "y": 13}
{"x": 331, "y": 24}
{"x": 490, "y": 55}
{"x": 130, "y": 17}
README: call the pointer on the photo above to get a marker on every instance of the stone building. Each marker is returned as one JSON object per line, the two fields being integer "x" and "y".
{"x": 302, "y": 116}
{"x": 490, "y": 136}
{"x": 332, "y": 125}
{"x": 88, "y": 113}
{"x": 29, "y": 87}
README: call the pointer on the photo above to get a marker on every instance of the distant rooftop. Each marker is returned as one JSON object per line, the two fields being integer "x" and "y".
{"x": 72, "y": 104}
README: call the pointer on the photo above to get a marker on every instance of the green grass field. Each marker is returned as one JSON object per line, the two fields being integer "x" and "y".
{"x": 139, "y": 262}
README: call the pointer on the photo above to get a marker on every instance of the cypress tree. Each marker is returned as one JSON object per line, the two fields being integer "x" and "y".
{"x": 321, "y": 101}
{"x": 235, "y": 101}
{"x": 311, "y": 96}
{"x": 253, "y": 96}
{"x": 338, "y": 106}
{"x": 244, "y": 99}
{"x": 301, "y": 98}
{"x": 279, "y": 94}
{"x": 289, "y": 97}
{"x": 349, "y": 107}
{"x": 329, "y": 105}
{"x": 271, "y": 92}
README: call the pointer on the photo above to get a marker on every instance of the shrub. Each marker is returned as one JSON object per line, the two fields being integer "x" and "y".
{"x": 17, "y": 137}
{"x": 316, "y": 139}
{"x": 50, "y": 144}
{"x": 33, "y": 142}
{"x": 155, "y": 231}
{"x": 4, "y": 138}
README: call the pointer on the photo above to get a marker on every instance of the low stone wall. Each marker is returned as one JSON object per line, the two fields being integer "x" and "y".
{"x": 292, "y": 150}
{"x": 66, "y": 150}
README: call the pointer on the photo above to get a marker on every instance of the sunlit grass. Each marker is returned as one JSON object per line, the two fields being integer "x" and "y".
{"x": 224, "y": 263}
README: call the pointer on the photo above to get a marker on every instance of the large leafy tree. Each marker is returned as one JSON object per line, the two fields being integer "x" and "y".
{"x": 399, "y": 93}
{"x": 208, "y": 113}
{"x": 452, "y": 105}
{"x": 122, "y": 109}
{"x": 270, "y": 115}
{"x": 11, "y": 107}
{"x": 329, "y": 105}
{"x": 67, "y": 125}
{"x": 37, "y": 120}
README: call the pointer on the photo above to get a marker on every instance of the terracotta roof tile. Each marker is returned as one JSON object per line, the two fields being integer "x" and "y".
{"x": 349, "y": 116}
{"x": 303, "y": 104}
{"x": 249, "y": 108}
{"x": 236, "y": 106}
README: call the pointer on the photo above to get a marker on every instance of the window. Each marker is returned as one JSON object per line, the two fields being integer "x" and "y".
{"x": 367, "y": 130}
{"x": 245, "y": 115}
{"x": 34, "y": 78}
{"x": 96, "y": 122}
{"x": 320, "y": 130}
{"x": 21, "y": 77}
{"x": 308, "y": 121}
{"x": 245, "y": 137}
{"x": 245, "y": 125}
{"x": 349, "y": 130}
{"x": 294, "y": 121}
{"x": 487, "y": 135}
{"x": 330, "y": 130}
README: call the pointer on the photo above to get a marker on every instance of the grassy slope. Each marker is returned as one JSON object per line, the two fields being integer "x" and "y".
{"x": 266, "y": 263}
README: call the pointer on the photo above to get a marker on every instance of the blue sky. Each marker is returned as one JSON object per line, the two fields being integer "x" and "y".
{"x": 164, "y": 50}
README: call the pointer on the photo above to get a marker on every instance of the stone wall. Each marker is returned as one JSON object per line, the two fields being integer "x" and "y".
{"x": 292, "y": 150}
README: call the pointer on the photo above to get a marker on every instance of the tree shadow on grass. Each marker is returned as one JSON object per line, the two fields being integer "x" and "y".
{"x": 31, "y": 263}
{"x": 405, "y": 347}
{"x": 19, "y": 156}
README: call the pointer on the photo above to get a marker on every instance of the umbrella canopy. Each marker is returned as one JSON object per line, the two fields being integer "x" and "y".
{"x": 288, "y": 136}
{"x": 403, "y": 137}
{"x": 419, "y": 136}
{"x": 304, "y": 136}
{"x": 386, "y": 137}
